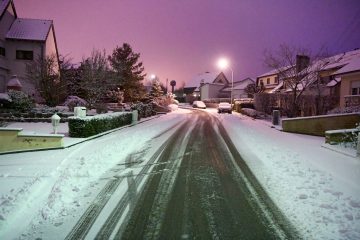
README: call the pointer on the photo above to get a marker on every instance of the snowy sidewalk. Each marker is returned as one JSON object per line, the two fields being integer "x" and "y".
{"x": 317, "y": 188}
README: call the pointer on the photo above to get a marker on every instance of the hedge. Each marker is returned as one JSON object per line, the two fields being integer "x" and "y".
{"x": 92, "y": 125}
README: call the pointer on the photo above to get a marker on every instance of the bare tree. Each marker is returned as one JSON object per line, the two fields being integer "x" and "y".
{"x": 45, "y": 74}
{"x": 93, "y": 76}
{"x": 297, "y": 69}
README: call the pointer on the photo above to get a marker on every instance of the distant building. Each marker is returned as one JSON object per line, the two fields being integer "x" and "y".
{"x": 22, "y": 41}
{"x": 215, "y": 85}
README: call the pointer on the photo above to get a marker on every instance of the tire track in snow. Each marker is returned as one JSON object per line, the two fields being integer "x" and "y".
{"x": 83, "y": 226}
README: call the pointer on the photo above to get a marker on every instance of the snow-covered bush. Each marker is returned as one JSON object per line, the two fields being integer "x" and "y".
{"x": 20, "y": 101}
{"x": 352, "y": 109}
{"x": 249, "y": 112}
{"x": 74, "y": 101}
{"x": 144, "y": 110}
{"x": 92, "y": 125}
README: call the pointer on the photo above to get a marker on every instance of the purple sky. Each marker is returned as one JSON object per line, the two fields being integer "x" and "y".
{"x": 178, "y": 39}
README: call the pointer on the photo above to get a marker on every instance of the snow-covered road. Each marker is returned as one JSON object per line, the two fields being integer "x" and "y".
{"x": 49, "y": 191}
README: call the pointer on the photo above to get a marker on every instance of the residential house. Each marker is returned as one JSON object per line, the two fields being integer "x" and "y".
{"x": 22, "y": 41}
{"x": 239, "y": 88}
{"x": 347, "y": 79}
{"x": 209, "y": 85}
{"x": 336, "y": 76}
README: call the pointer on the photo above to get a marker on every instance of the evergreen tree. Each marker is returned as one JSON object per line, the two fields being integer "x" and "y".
{"x": 156, "y": 90}
{"x": 128, "y": 72}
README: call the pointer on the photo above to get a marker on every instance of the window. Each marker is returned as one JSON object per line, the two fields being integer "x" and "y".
{"x": 2, "y": 51}
{"x": 355, "y": 91}
{"x": 24, "y": 55}
{"x": 355, "y": 88}
{"x": 268, "y": 81}
{"x": 276, "y": 80}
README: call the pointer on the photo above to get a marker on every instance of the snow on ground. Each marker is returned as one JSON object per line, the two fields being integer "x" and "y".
{"x": 317, "y": 188}
{"x": 47, "y": 191}
{"x": 50, "y": 189}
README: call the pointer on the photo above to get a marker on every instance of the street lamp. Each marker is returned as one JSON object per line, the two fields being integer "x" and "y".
{"x": 223, "y": 64}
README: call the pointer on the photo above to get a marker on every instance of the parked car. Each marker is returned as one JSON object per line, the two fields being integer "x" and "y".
{"x": 224, "y": 107}
{"x": 199, "y": 104}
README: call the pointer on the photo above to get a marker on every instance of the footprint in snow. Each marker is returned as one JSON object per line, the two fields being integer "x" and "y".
{"x": 303, "y": 196}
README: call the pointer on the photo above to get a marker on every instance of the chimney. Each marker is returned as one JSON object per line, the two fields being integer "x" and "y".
{"x": 302, "y": 62}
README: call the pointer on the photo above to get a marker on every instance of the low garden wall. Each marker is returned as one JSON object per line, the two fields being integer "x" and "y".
{"x": 317, "y": 125}
{"x": 13, "y": 139}
{"x": 334, "y": 137}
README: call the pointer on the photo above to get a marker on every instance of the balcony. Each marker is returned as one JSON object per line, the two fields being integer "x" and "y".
{"x": 352, "y": 100}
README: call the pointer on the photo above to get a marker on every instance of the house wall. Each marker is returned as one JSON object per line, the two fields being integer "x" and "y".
{"x": 18, "y": 67}
{"x": 345, "y": 88}
{"x": 5, "y": 23}
{"x": 268, "y": 86}
{"x": 210, "y": 91}
{"x": 50, "y": 48}
{"x": 239, "y": 93}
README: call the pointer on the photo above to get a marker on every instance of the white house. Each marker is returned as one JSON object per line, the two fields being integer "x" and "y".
{"x": 239, "y": 88}
{"x": 22, "y": 41}
{"x": 215, "y": 85}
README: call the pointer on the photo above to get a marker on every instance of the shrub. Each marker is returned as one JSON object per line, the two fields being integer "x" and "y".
{"x": 249, "y": 112}
{"x": 73, "y": 101}
{"x": 20, "y": 101}
{"x": 92, "y": 125}
{"x": 144, "y": 110}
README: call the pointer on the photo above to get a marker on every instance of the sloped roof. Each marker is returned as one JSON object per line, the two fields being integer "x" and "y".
{"x": 240, "y": 85}
{"x": 3, "y": 5}
{"x": 29, "y": 29}
{"x": 274, "y": 71}
{"x": 206, "y": 77}
{"x": 352, "y": 63}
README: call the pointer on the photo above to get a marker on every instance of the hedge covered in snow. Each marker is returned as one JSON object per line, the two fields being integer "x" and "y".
{"x": 92, "y": 125}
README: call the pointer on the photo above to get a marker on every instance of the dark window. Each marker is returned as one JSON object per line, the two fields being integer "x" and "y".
{"x": 268, "y": 81}
{"x": 2, "y": 51}
{"x": 355, "y": 91}
{"x": 24, "y": 55}
{"x": 276, "y": 79}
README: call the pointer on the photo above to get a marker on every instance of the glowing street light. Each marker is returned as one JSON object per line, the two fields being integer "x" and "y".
{"x": 223, "y": 64}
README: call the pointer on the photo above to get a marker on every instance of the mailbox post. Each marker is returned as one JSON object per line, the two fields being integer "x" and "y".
{"x": 55, "y": 121}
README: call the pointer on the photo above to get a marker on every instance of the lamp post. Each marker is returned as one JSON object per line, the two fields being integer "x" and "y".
{"x": 223, "y": 64}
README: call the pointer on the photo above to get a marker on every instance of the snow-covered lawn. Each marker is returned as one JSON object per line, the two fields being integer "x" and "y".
{"x": 47, "y": 191}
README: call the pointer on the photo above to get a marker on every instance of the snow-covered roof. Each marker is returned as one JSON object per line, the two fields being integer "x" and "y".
{"x": 277, "y": 87}
{"x": 3, "y": 5}
{"x": 206, "y": 77}
{"x": 240, "y": 85}
{"x": 333, "y": 82}
{"x": 29, "y": 29}
{"x": 353, "y": 63}
{"x": 274, "y": 71}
